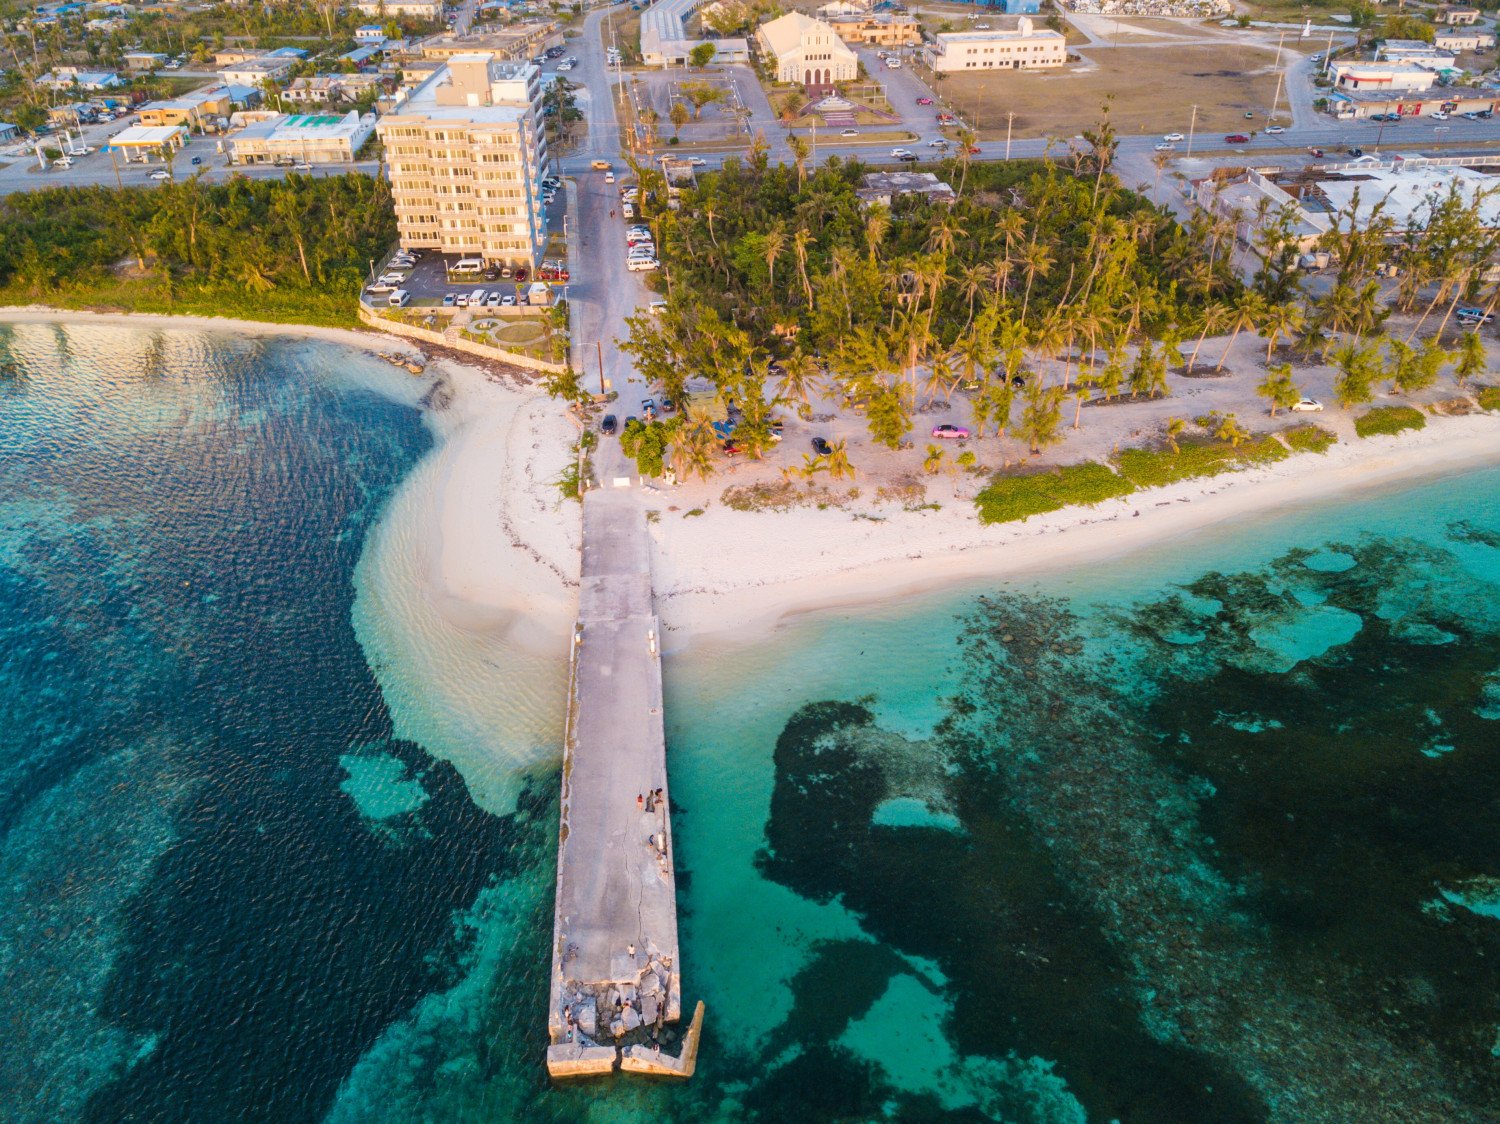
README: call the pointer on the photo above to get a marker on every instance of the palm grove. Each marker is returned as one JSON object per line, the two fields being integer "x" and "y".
{"x": 291, "y": 250}
{"x": 783, "y": 289}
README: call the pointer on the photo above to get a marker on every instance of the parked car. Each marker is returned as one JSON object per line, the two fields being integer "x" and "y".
{"x": 380, "y": 287}
{"x": 955, "y": 432}
{"x": 821, "y": 447}
{"x": 1471, "y": 315}
{"x": 924, "y": 101}
{"x": 609, "y": 177}
{"x": 492, "y": 301}
{"x": 1307, "y": 406}
{"x": 197, "y": 160}
{"x": 449, "y": 300}
{"x": 302, "y": 167}
{"x": 508, "y": 299}
{"x": 608, "y": 424}
{"x": 1236, "y": 138}
{"x": 399, "y": 298}
{"x": 697, "y": 161}
{"x": 63, "y": 162}
{"x": 462, "y": 300}
{"x": 641, "y": 265}
{"x": 391, "y": 278}
{"x": 521, "y": 274}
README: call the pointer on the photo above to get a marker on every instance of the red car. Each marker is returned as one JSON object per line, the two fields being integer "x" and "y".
{"x": 957, "y": 432}
{"x": 924, "y": 101}
{"x": 1236, "y": 138}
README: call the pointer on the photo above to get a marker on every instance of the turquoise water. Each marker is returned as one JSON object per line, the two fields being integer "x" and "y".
{"x": 1208, "y": 833}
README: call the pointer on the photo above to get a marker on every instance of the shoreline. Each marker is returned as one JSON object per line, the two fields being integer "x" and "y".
{"x": 728, "y": 578}
{"x": 350, "y": 337}
{"x": 905, "y": 556}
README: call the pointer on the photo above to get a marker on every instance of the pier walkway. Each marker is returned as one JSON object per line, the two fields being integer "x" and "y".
{"x": 615, "y": 971}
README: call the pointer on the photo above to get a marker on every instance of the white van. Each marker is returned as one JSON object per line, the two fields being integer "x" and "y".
{"x": 476, "y": 298}
{"x": 467, "y": 265}
{"x": 399, "y": 298}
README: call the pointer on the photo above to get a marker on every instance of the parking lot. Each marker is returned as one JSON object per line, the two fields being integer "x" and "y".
{"x": 427, "y": 282}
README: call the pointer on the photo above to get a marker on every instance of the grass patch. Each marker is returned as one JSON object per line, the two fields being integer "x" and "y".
{"x": 692, "y": 513}
{"x": 1009, "y": 498}
{"x": 1489, "y": 398}
{"x": 1310, "y": 439}
{"x": 279, "y": 306}
{"x": 1152, "y": 468}
{"x": 1388, "y": 419}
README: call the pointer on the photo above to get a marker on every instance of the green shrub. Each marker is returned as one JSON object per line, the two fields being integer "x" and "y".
{"x": 1489, "y": 398}
{"x": 1151, "y": 468}
{"x": 1310, "y": 439}
{"x": 1008, "y": 498}
{"x": 1388, "y": 419}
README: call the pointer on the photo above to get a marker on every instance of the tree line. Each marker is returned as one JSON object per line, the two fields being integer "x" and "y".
{"x": 292, "y": 249}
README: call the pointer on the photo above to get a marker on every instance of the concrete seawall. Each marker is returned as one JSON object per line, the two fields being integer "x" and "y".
{"x": 616, "y": 980}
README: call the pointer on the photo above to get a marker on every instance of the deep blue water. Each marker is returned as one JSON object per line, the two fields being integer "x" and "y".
{"x": 1209, "y": 833}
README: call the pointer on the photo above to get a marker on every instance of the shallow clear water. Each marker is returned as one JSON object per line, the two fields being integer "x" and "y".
{"x": 1206, "y": 834}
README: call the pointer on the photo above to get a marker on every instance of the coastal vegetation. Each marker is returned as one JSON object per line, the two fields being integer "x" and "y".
{"x": 1387, "y": 420}
{"x": 287, "y": 251}
{"x": 1489, "y": 398}
{"x": 1042, "y": 287}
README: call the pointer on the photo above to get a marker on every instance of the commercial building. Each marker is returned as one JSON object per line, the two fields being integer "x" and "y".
{"x": 521, "y": 41}
{"x": 879, "y": 31}
{"x": 1022, "y": 47}
{"x": 1358, "y": 104}
{"x": 369, "y": 33}
{"x": 465, "y": 154}
{"x": 257, "y": 71}
{"x": 329, "y": 89}
{"x": 798, "y": 48}
{"x": 1381, "y": 76}
{"x": 1010, "y": 7}
{"x": 302, "y": 139}
{"x": 1453, "y": 40}
{"x": 421, "y": 9}
{"x": 143, "y": 142}
{"x": 198, "y": 109}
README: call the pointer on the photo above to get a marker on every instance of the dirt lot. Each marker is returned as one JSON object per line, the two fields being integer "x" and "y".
{"x": 1153, "y": 90}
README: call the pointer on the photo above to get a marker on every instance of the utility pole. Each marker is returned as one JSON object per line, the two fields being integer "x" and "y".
{"x": 603, "y": 389}
{"x": 1192, "y": 125}
{"x": 1009, "y": 119}
{"x": 116, "y": 165}
{"x": 1280, "y": 75}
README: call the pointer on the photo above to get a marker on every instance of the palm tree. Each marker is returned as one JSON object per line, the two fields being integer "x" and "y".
{"x": 799, "y": 245}
{"x": 1277, "y": 319}
{"x": 1278, "y": 388}
{"x": 940, "y": 377}
{"x": 1472, "y": 360}
{"x": 775, "y": 243}
{"x": 1228, "y": 428}
{"x": 877, "y": 225}
{"x": 799, "y": 373}
{"x": 1041, "y": 416}
{"x": 838, "y": 461}
{"x": 1036, "y": 261}
{"x": 934, "y": 460}
{"x": 1214, "y": 315}
{"x": 966, "y": 139}
{"x": 1245, "y": 313}
{"x": 693, "y": 450}
{"x": 1175, "y": 426}
{"x": 799, "y": 151}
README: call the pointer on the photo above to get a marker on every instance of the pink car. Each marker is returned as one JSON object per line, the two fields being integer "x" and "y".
{"x": 924, "y": 101}
{"x": 957, "y": 432}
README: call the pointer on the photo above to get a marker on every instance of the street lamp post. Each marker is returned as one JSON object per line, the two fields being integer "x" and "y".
{"x": 1009, "y": 120}
{"x": 1192, "y": 126}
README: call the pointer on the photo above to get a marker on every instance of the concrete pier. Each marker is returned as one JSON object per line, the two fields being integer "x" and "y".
{"x": 616, "y": 970}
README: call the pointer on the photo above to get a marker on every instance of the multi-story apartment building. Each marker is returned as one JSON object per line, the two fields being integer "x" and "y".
{"x": 465, "y": 152}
